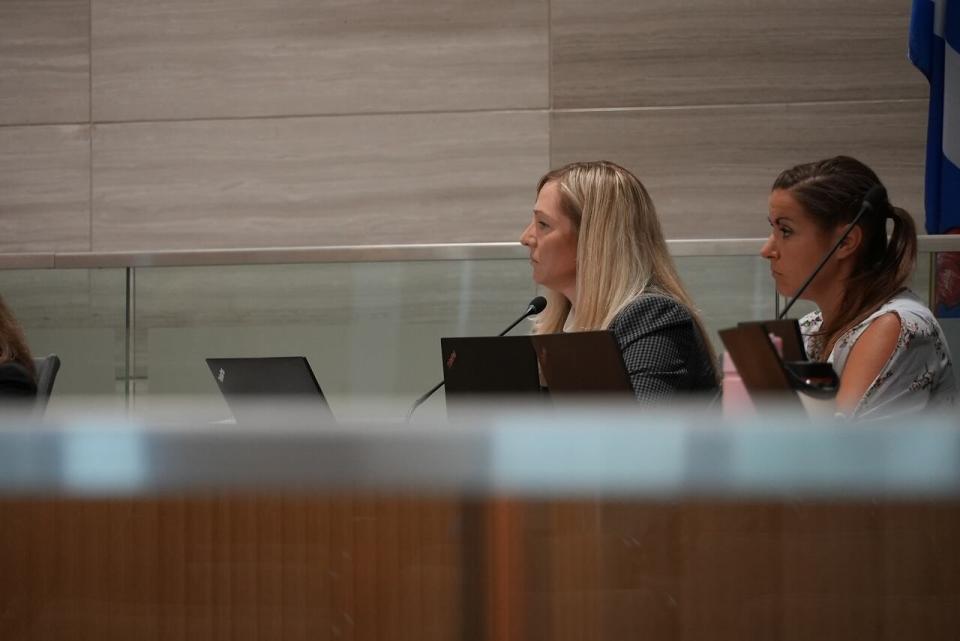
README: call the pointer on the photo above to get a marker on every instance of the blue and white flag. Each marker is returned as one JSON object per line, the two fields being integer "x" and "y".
{"x": 935, "y": 50}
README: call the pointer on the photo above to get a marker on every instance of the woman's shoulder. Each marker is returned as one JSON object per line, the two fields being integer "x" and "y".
{"x": 652, "y": 310}
{"x": 907, "y": 302}
{"x": 919, "y": 368}
{"x": 912, "y": 311}
{"x": 913, "y": 317}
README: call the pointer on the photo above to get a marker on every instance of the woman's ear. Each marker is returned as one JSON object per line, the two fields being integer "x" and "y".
{"x": 850, "y": 244}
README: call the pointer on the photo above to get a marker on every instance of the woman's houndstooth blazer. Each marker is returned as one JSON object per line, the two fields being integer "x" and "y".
{"x": 662, "y": 349}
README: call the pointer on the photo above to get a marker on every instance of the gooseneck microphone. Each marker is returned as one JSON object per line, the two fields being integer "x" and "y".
{"x": 536, "y": 306}
{"x": 871, "y": 202}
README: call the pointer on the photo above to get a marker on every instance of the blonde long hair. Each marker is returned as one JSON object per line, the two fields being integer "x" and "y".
{"x": 621, "y": 252}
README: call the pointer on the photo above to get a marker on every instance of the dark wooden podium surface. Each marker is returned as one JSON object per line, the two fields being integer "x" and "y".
{"x": 273, "y": 557}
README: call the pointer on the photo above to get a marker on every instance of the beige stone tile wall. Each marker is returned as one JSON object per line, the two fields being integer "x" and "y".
{"x": 625, "y": 53}
{"x": 170, "y": 124}
{"x": 707, "y": 101}
{"x": 44, "y": 61}
{"x": 176, "y": 59}
{"x": 709, "y": 169}
{"x": 341, "y": 180}
{"x": 44, "y": 188}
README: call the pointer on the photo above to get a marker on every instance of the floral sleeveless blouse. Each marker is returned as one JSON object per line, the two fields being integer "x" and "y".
{"x": 919, "y": 374}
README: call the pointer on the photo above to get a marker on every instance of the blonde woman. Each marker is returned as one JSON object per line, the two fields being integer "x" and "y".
{"x": 596, "y": 245}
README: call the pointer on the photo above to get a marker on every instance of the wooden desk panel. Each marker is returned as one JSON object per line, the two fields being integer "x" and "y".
{"x": 692, "y": 571}
{"x": 229, "y": 568}
{"x": 385, "y": 567}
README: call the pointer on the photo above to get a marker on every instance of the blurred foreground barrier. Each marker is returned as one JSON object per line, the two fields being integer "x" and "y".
{"x": 582, "y": 525}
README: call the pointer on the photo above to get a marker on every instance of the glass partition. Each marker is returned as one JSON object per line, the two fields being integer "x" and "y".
{"x": 78, "y": 314}
{"x": 728, "y": 289}
{"x": 369, "y": 328}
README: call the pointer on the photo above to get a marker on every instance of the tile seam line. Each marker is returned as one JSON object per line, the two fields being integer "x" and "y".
{"x": 304, "y": 116}
{"x": 738, "y": 105}
{"x": 531, "y": 110}
{"x": 90, "y": 122}
{"x": 550, "y": 84}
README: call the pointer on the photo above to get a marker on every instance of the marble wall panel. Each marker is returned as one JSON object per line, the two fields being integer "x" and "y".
{"x": 789, "y": 82}
{"x": 45, "y": 188}
{"x": 349, "y": 180}
{"x": 174, "y": 59}
{"x": 709, "y": 169}
{"x": 44, "y": 61}
{"x": 614, "y": 53}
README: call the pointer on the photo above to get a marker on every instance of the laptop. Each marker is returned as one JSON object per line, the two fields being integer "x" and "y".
{"x": 583, "y": 363}
{"x": 244, "y": 381}
{"x": 788, "y": 330}
{"x": 758, "y": 364}
{"x": 481, "y": 365}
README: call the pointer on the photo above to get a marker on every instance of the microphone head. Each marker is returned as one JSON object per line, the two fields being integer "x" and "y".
{"x": 536, "y": 306}
{"x": 876, "y": 196}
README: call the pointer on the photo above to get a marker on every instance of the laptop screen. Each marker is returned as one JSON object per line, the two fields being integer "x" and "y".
{"x": 582, "y": 362}
{"x": 244, "y": 380}
{"x": 489, "y": 365}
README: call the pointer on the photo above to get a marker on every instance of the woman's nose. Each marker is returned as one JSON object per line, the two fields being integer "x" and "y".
{"x": 525, "y": 237}
{"x": 768, "y": 250}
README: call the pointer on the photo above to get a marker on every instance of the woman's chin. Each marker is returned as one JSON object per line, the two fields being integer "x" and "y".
{"x": 783, "y": 290}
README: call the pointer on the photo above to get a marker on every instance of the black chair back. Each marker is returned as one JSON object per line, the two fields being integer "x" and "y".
{"x": 47, "y": 368}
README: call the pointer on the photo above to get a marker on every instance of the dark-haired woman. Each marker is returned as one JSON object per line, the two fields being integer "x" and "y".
{"x": 882, "y": 340}
{"x": 17, "y": 373}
